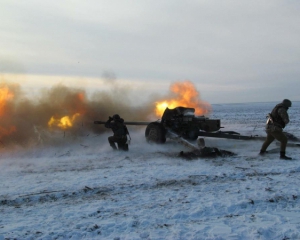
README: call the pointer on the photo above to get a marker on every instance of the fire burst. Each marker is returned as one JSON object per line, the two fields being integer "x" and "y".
{"x": 5, "y": 95}
{"x": 64, "y": 122}
{"x": 184, "y": 95}
{"x": 74, "y": 103}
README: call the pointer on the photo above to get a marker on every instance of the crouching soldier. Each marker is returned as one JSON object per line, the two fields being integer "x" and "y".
{"x": 116, "y": 123}
{"x": 277, "y": 120}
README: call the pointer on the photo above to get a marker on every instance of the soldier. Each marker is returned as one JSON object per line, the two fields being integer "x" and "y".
{"x": 116, "y": 123}
{"x": 277, "y": 120}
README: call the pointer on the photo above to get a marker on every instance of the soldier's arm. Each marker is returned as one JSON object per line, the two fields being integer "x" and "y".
{"x": 284, "y": 115}
{"x": 108, "y": 123}
{"x": 126, "y": 129}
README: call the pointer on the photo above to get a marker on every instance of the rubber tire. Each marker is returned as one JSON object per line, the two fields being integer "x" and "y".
{"x": 155, "y": 133}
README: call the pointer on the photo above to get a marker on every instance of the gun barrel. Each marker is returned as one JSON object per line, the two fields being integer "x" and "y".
{"x": 229, "y": 135}
{"x": 127, "y": 123}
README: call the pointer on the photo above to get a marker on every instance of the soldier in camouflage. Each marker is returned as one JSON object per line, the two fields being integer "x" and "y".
{"x": 116, "y": 123}
{"x": 278, "y": 119}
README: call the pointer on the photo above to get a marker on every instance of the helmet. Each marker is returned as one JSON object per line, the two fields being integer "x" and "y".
{"x": 116, "y": 117}
{"x": 287, "y": 103}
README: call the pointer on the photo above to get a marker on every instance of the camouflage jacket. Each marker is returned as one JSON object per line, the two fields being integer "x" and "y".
{"x": 280, "y": 118}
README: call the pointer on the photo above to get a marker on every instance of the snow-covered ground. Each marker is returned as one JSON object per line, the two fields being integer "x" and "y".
{"x": 84, "y": 190}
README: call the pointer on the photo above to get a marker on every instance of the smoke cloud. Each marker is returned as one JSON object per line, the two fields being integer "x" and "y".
{"x": 60, "y": 111}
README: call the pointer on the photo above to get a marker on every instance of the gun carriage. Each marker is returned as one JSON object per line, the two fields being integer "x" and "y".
{"x": 182, "y": 122}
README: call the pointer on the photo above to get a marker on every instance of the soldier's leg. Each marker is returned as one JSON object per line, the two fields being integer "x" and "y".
{"x": 112, "y": 141}
{"x": 119, "y": 145}
{"x": 270, "y": 138}
{"x": 280, "y": 136}
{"x": 122, "y": 145}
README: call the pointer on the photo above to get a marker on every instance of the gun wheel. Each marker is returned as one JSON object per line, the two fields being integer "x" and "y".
{"x": 155, "y": 133}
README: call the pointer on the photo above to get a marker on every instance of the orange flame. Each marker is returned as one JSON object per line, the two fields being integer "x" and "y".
{"x": 5, "y": 95}
{"x": 184, "y": 95}
{"x": 75, "y": 104}
{"x": 64, "y": 122}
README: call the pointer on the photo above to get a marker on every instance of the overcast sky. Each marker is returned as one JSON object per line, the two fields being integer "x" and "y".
{"x": 233, "y": 51}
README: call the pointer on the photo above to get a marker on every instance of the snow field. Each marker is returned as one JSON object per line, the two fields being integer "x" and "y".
{"x": 84, "y": 190}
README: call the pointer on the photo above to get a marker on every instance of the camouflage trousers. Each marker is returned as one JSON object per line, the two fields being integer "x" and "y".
{"x": 273, "y": 133}
{"x": 120, "y": 140}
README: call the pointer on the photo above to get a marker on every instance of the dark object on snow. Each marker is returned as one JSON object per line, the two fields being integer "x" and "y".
{"x": 205, "y": 152}
{"x": 277, "y": 120}
{"x": 184, "y": 123}
{"x": 116, "y": 123}
{"x": 181, "y": 121}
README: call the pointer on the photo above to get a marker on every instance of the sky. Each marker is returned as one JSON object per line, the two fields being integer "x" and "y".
{"x": 233, "y": 51}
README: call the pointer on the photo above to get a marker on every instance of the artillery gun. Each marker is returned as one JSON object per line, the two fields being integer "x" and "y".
{"x": 182, "y": 125}
{"x": 181, "y": 121}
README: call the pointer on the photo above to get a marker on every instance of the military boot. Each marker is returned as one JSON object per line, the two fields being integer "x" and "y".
{"x": 262, "y": 152}
{"x": 282, "y": 156}
{"x": 113, "y": 146}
